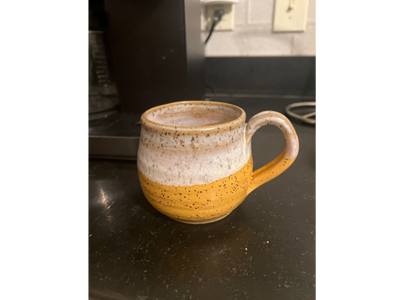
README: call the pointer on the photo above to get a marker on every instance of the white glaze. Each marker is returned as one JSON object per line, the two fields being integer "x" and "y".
{"x": 179, "y": 163}
{"x": 188, "y": 144}
{"x": 280, "y": 121}
{"x": 192, "y": 144}
{"x": 183, "y": 115}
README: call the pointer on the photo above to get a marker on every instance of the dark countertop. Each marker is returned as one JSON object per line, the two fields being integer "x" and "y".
{"x": 265, "y": 249}
{"x": 118, "y": 124}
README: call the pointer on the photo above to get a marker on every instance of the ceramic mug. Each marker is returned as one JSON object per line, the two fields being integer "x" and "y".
{"x": 194, "y": 158}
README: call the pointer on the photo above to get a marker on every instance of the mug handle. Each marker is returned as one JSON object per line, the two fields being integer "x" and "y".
{"x": 285, "y": 159}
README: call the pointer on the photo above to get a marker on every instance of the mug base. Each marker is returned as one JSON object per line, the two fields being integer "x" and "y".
{"x": 202, "y": 221}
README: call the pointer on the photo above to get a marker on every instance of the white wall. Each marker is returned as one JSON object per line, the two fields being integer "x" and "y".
{"x": 253, "y": 34}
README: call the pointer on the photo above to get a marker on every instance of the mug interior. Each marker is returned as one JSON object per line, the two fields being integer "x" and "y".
{"x": 194, "y": 114}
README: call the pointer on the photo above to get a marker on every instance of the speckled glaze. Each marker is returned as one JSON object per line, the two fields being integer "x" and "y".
{"x": 194, "y": 158}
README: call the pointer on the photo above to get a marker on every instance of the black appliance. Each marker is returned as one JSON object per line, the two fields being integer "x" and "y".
{"x": 155, "y": 56}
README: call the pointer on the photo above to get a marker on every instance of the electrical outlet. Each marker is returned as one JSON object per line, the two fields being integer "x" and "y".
{"x": 227, "y": 21}
{"x": 290, "y": 15}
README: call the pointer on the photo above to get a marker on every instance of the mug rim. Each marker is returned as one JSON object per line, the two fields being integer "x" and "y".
{"x": 221, "y": 126}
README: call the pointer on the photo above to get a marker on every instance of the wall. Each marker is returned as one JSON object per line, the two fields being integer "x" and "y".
{"x": 253, "y": 34}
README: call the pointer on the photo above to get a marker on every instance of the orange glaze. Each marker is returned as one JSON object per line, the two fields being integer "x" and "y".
{"x": 270, "y": 171}
{"x": 199, "y": 202}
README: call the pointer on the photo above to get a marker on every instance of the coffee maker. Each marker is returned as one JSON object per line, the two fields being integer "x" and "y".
{"x": 102, "y": 93}
{"x": 154, "y": 55}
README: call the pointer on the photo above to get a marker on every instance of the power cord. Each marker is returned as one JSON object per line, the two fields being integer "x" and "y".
{"x": 216, "y": 19}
